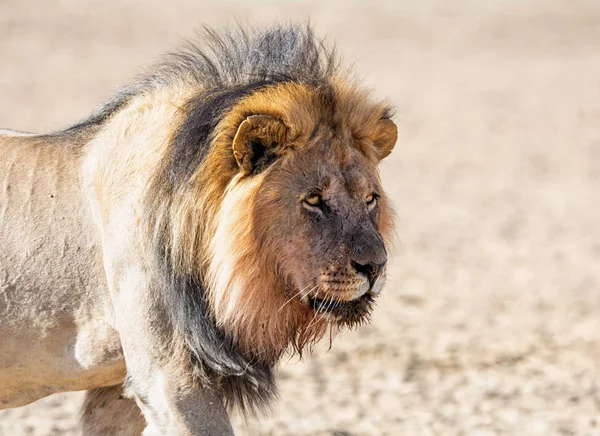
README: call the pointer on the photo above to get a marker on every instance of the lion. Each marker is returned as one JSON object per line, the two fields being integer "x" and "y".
{"x": 164, "y": 253}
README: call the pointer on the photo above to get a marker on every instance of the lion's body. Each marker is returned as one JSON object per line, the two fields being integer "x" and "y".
{"x": 69, "y": 206}
{"x": 56, "y": 320}
{"x": 163, "y": 254}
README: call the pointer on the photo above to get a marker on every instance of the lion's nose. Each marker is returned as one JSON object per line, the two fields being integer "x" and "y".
{"x": 367, "y": 252}
{"x": 371, "y": 270}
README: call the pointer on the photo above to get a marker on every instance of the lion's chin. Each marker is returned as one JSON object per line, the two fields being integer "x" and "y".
{"x": 345, "y": 313}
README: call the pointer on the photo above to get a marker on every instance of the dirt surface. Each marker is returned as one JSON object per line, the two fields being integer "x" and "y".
{"x": 490, "y": 323}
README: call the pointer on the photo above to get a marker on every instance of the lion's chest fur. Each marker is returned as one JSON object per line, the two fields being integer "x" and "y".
{"x": 54, "y": 304}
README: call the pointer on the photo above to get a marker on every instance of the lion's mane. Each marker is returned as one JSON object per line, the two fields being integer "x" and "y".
{"x": 204, "y": 253}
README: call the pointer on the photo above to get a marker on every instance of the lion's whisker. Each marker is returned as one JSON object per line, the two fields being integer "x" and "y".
{"x": 312, "y": 320}
{"x": 310, "y": 290}
{"x": 326, "y": 311}
{"x": 322, "y": 315}
{"x": 297, "y": 294}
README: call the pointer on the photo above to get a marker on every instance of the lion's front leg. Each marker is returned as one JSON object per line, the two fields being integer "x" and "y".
{"x": 106, "y": 412}
{"x": 159, "y": 376}
{"x": 172, "y": 410}
{"x": 172, "y": 401}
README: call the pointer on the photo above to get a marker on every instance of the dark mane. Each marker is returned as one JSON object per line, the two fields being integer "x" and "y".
{"x": 234, "y": 58}
{"x": 224, "y": 67}
{"x": 238, "y": 57}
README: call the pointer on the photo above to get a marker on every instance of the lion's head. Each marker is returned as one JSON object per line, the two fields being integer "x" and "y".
{"x": 276, "y": 222}
{"x": 297, "y": 243}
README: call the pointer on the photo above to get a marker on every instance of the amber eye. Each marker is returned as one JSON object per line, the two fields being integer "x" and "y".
{"x": 371, "y": 199}
{"x": 314, "y": 200}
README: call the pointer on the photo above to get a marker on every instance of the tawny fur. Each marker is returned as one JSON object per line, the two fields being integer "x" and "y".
{"x": 166, "y": 260}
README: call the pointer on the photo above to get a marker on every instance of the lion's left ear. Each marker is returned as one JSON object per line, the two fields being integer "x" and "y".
{"x": 384, "y": 138}
{"x": 258, "y": 141}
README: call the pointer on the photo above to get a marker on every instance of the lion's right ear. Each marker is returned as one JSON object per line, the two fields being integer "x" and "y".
{"x": 258, "y": 141}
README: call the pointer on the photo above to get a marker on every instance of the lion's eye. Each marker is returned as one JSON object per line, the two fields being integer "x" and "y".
{"x": 371, "y": 199}
{"x": 314, "y": 200}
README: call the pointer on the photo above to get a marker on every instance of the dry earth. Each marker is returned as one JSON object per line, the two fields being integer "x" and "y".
{"x": 490, "y": 324}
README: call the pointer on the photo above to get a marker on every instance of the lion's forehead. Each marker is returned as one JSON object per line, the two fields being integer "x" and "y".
{"x": 332, "y": 169}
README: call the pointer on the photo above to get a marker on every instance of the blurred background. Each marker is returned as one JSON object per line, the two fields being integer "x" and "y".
{"x": 490, "y": 323}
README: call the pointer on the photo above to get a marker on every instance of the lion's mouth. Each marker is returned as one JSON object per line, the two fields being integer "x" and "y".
{"x": 346, "y": 311}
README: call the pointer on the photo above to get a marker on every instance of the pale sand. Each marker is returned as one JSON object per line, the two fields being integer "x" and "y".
{"x": 490, "y": 323}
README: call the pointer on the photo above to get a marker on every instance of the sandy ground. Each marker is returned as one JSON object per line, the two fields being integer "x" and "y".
{"x": 490, "y": 323}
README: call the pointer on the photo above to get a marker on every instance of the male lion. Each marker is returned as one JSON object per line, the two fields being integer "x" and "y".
{"x": 166, "y": 251}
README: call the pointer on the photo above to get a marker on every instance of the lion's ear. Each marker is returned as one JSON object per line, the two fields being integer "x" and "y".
{"x": 384, "y": 139}
{"x": 258, "y": 141}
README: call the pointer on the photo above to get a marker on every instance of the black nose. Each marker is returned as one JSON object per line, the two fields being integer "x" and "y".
{"x": 371, "y": 270}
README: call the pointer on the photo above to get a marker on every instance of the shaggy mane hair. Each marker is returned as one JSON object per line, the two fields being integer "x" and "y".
{"x": 232, "y": 59}
{"x": 224, "y": 68}
{"x": 219, "y": 334}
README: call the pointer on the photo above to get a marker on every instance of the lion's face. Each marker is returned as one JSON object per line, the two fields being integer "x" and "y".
{"x": 319, "y": 212}
{"x": 297, "y": 244}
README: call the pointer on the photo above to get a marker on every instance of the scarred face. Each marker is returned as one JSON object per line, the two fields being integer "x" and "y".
{"x": 326, "y": 215}
{"x": 298, "y": 243}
